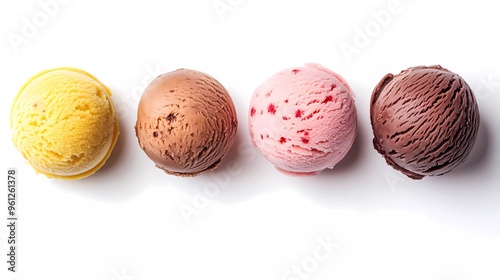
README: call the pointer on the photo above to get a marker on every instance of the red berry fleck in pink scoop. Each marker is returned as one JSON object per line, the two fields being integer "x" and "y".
{"x": 295, "y": 71}
{"x": 282, "y": 140}
{"x": 329, "y": 98}
{"x": 298, "y": 114}
{"x": 271, "y": 109}
{"x": 305, "y": 139}
{"x": 252, "y": 112}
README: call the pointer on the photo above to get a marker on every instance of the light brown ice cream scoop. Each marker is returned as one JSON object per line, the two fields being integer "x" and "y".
{"x": 186, "y": 122}
{"x": 425, "y": 120}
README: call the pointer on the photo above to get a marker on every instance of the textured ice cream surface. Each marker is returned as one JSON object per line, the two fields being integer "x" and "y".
{"x": 303, "y": 119}
{"x": 425, "y": 120}
{"x": 64, "y": 123}
{"x": 186, "y": 122}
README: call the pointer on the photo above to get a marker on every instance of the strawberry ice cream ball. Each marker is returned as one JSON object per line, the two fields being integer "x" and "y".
{"x": 303, "y": 119}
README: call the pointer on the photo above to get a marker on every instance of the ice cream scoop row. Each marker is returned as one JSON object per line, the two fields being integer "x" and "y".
{"x": 425, "y": 121}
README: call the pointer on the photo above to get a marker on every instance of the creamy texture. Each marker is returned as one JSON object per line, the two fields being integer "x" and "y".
{"x": 64, "y": 123}
{"x": 303, "y": 119}
{"x": 425, "y": 120}
{"x": 186, "y": 122}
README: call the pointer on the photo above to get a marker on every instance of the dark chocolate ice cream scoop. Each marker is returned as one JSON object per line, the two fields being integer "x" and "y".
{"x": 425, "y": 120}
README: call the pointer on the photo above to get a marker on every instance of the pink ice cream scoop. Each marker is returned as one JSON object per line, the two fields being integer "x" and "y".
{"x": 303, "y": 119}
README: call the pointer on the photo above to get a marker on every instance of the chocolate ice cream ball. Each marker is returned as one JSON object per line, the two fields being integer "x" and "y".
{"x": 186, "y": 122}
{"x": 425, "y": 120}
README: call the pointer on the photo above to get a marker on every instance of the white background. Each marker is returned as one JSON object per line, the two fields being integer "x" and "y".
{"x": 125, "y": 222}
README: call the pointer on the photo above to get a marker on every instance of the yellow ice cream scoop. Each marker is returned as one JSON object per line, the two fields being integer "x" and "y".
{"x": 64, "y": 123}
